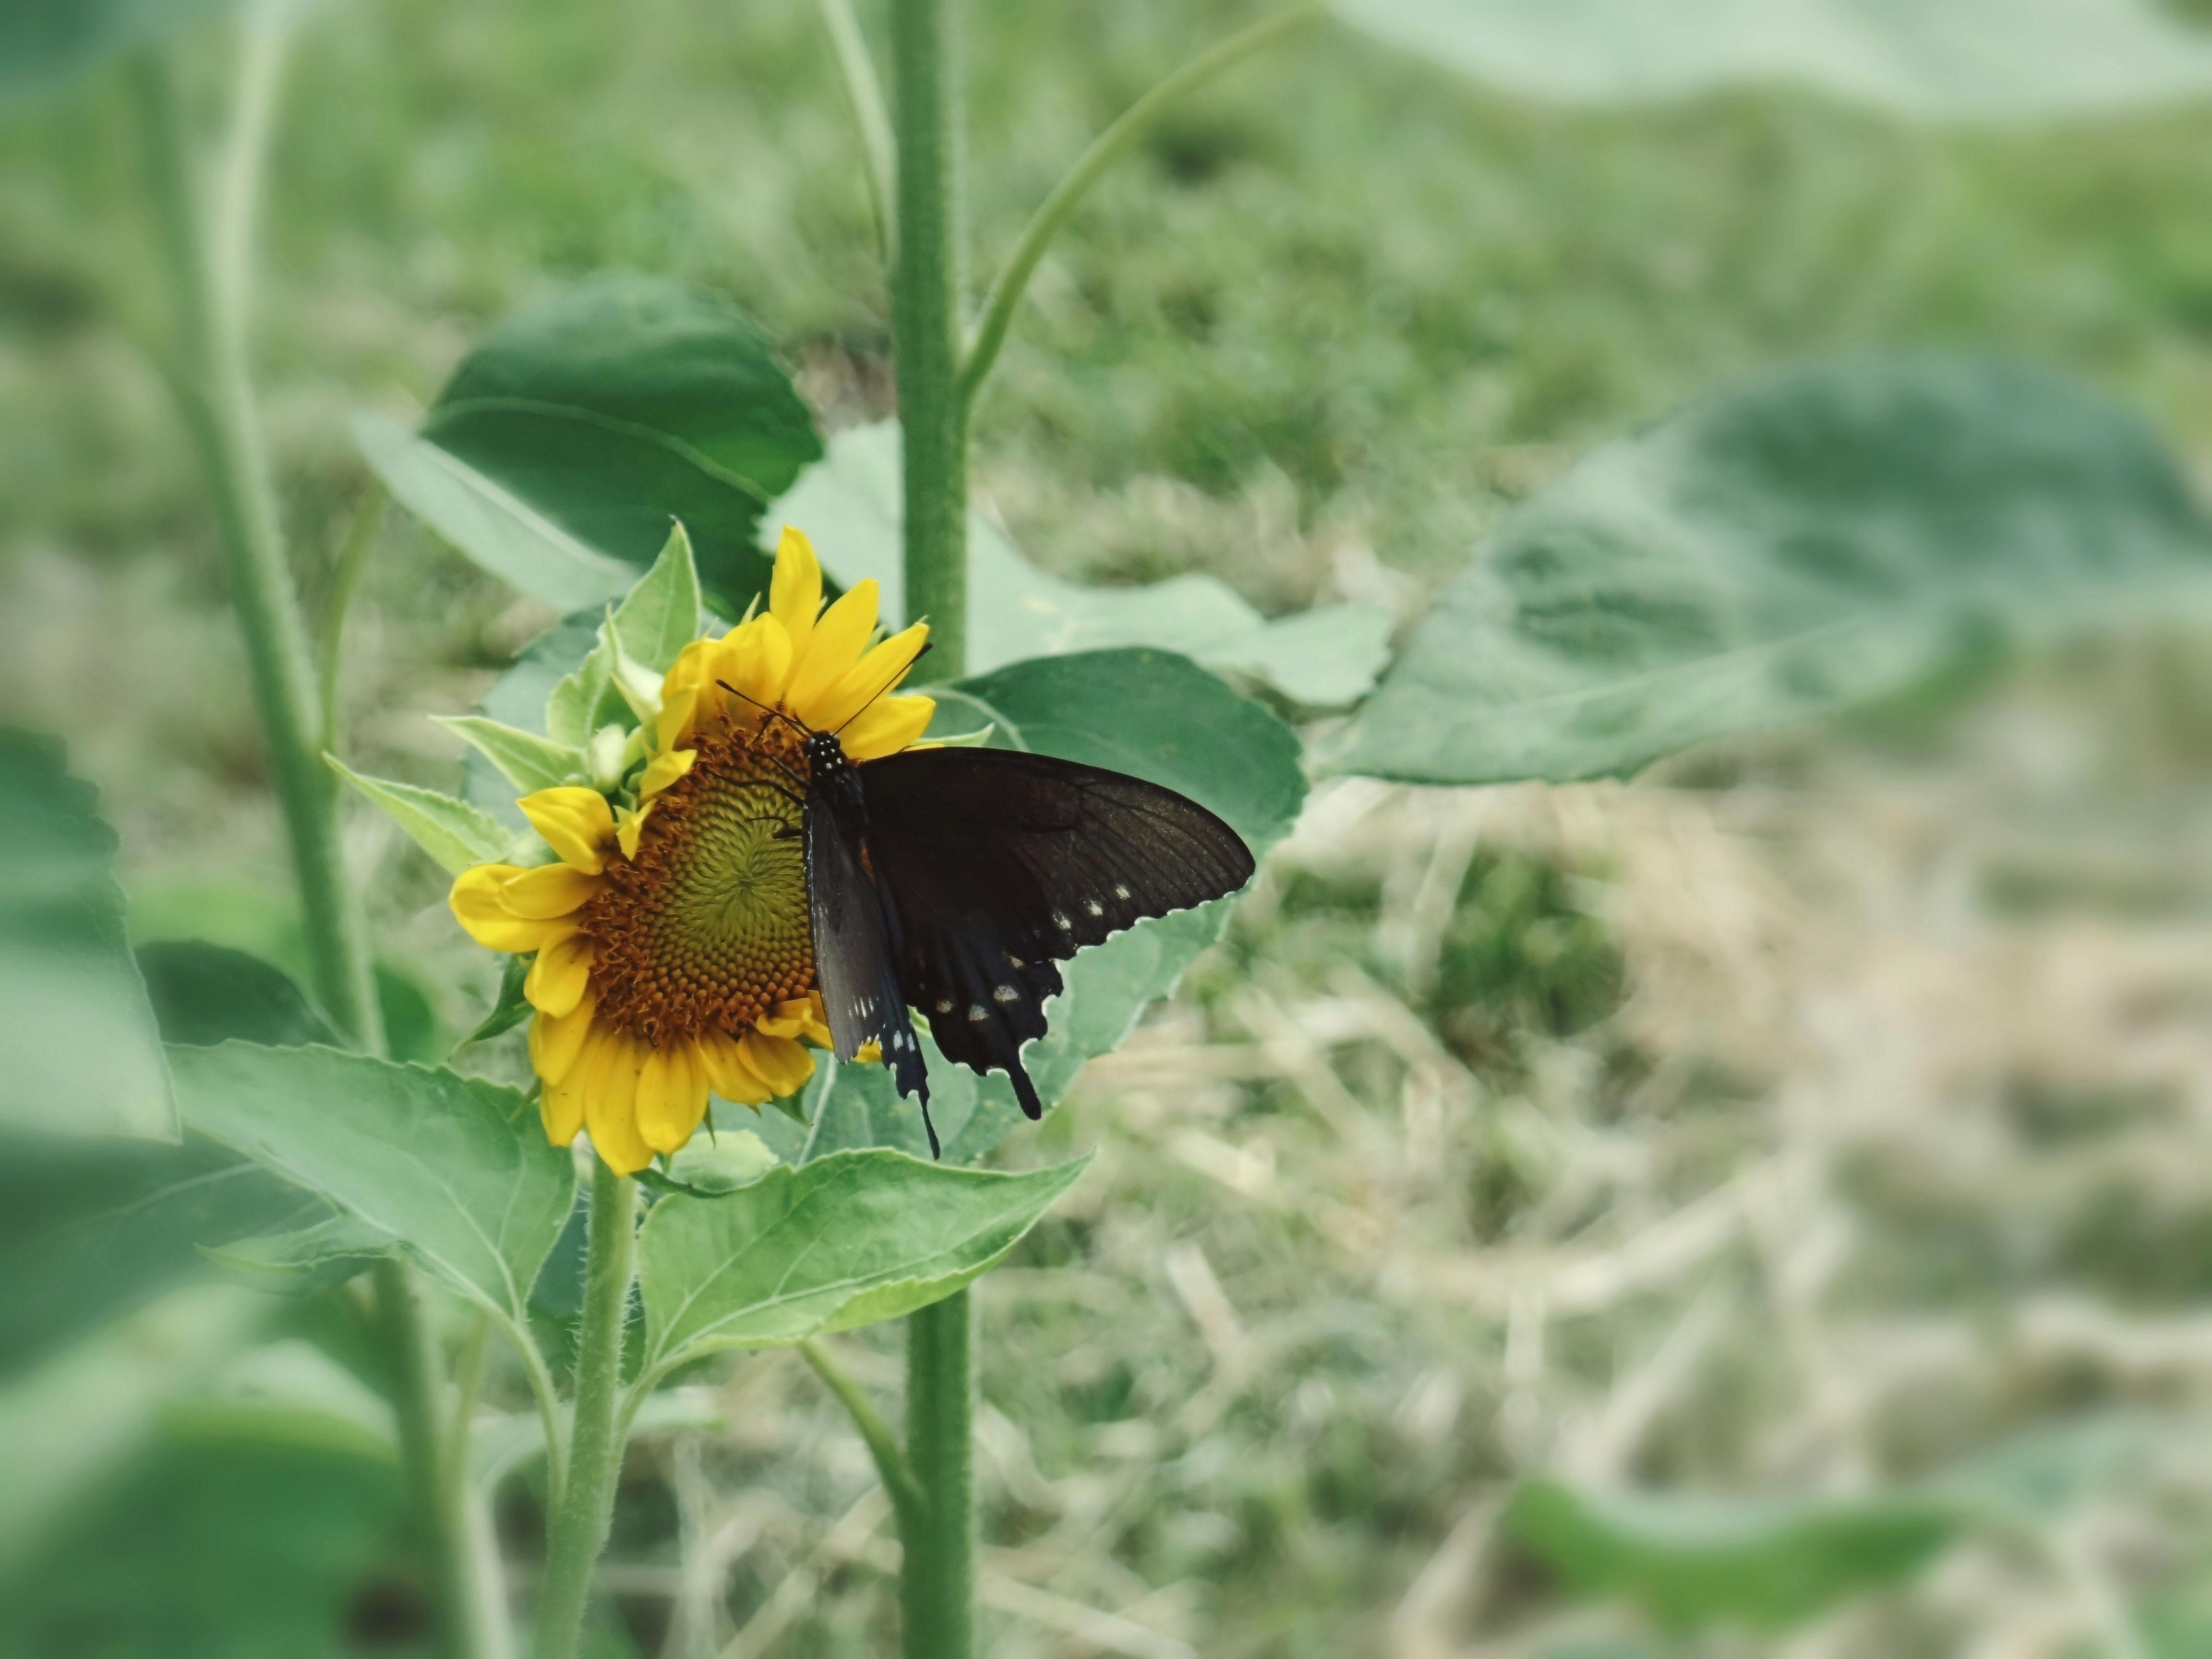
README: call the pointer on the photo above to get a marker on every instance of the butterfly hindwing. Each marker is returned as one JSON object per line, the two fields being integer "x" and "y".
{"x": 996, "y": 864}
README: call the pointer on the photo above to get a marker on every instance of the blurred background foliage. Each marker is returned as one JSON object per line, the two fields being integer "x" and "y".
{"x": 1823, "y": 1117}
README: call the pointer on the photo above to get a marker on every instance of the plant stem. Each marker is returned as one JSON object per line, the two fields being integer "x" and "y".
{"x": 936, "y": 1568}
{"x": 217, "y": 402}
{"x": 926, "y": 327}
{"x": 441, "y": 1504}
{"x": 937, "y": 1589}
{"x": 865, "y": 94}
{"x": 896, "y": 1473}
{"x": 1108, "y": 148}
{"x": 587, "y": 1497}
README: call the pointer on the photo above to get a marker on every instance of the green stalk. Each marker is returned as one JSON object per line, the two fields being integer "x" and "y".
{"x": 217, "y": 401}
{"x": 926, "y": 327}
{"x": 441, "y": 1502}
{"x": 595, "y": 1442}
{"x": 1109, "y": 146}
{"x": 937, "y": 1567}
{"x": 937, "y": 1589}
{"x": 865, "y": 94}
{"x": 896, "y": 1474}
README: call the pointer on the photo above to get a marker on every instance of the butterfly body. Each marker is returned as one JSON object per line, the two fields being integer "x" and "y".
{"x": 955, "y": 880}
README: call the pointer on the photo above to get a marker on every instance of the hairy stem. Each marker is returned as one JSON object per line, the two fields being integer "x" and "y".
{"x": 926, "y": 327}
{"x": 595, "y": 1442}
{"x": 441, "y": 1502}
{"x": 217, "y": 401}
{"x": 345, "y": 577}
{"x": 936, "y": 1568}
{"x": 1006, "y": 295}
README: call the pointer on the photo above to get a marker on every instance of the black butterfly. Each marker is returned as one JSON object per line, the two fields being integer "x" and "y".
{"x": 955, "y": 879}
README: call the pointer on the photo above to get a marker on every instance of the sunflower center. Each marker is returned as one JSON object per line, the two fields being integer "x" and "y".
{"x": 706, "y": 928}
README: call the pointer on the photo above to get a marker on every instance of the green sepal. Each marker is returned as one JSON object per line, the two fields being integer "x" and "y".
{"x": 454, "y": 833}
{"x": 524, "y": 759}
{"x": 510, "y": 1011}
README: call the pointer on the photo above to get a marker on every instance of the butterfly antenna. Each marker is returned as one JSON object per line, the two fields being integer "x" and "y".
{"x": 927, "y": 647}
{"x": 796, "y": 724}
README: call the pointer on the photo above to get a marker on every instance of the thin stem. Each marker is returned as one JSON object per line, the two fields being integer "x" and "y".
{"x": 1108, "y": 148}
{"x": 926, "y": 327}
{"x": 897, "y": 1473}
{"x": 262, "y": 37}
{"x": 440, "y": 1505}
{"x": 937, "y": 1566}
{"x": 873, "y": 116}
{"x": 345, "y": 577}
{"x": 587, "y": 1501}
{"x": 217, "y": 401}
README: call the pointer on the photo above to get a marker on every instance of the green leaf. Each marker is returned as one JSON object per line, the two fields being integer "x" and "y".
{"x": 45, "y": 44}
{"x": 524, "y": 760}
{"x": 1149, "y": 712}
{"x": 84, "y": 1410}
{"x": 844, "y": 1242}
{"x": 1818, "y": 538}
{"x": 207, "y": 994}
{"x": 498, "y": 532}
{"x": 1959, "y": 59}
{"x": 78, "y": 1050}
{"x": 307, "y": 1254}
{"x": 457, "y": 1170}
{"x": 1691, "y": 1560}
{"x": 451, "y": 831}
{"x": 627, "y": 401}
{"x": 511, "y": 1008}
{"x": 660, "y": 615}
{"x": 220, "y": 1541}
{"x": 849, "y": 506}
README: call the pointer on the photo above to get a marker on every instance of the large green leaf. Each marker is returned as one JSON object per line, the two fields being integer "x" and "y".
{"x": 45, "y": 44}
{"x": 849, "y": 504}
{"x": 844, "y": 1242}
{"x": 502, "y": 533}
{"x": 1150, "y": 713}
{"x": 79, "y": 1053}
{"x": 625, "y": 402}
{"x": 1959, "y": 59}
{"x": 1824, "y": 535}
{"x": 1691, "y": 1561}
{"x": 457, "y": 1170}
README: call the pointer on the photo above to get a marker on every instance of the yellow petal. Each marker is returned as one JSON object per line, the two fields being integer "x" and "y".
{"x": 671, "y": 1098}
{"x": 546, "y": 892}
{"x": 795, "y": 590}
{"x": 884, "y": 665}
{"x": 833, "y": 652}
{"x": 679, "y": 692}
{"x": 557, "y": 978}
{"x": 478, "y": 907}
{"x": 629, "y": 825}
{"x": 577, "y": 823}
{"x": 891, "y": 724}
{"x": 870, "y": 1053}
{"x": 561, "y": 1111}
{"x": 556, "y": 1042}
{"x": 663, "y": 771}
{"x": 728, "y": 1073}
{"x": 782, "y": 1064}
{"x": 801, "y": 1017}
{"x": 611, "y": 1108}
{"x": 755, "y": 660}
{"x": 562, "y": 1106}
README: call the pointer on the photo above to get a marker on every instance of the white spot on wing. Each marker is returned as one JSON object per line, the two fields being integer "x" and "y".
{"x": 977, "y": 1013}
{"x": 1006, "y": 993}
{"x": 943, "y": 1004}
{"x": 1119, "y": 892}
{"x": 1093, "y": 907}
{"x": 1062, "y": 922}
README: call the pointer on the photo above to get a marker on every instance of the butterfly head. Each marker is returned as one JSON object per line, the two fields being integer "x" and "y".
{"x": 825, "y": 756}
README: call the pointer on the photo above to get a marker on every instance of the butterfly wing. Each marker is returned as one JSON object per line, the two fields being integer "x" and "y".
{"x": 855, "y": 953}
{"x": 998, "y": 863}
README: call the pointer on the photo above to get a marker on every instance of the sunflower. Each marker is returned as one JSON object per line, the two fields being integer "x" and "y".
{"x": 673, "y": 953}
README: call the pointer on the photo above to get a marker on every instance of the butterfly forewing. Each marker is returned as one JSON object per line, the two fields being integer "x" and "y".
{"x": 996, "y": 863}
{"x": 855, "y": 961}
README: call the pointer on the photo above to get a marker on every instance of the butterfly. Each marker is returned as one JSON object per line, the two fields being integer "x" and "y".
{"x": 956, "y": 880}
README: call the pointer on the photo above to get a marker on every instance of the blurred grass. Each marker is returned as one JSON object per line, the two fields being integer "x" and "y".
{"x": 1900, "y": 1028}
